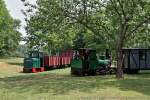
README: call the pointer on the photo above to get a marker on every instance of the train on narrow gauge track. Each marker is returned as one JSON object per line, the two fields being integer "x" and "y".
{"x": 85, "y": 61}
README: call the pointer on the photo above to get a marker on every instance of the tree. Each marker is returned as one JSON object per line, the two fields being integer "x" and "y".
{"x": 131, "y": 17}
{"x": 9, "y": 34}
{"x": 47, "y": 28}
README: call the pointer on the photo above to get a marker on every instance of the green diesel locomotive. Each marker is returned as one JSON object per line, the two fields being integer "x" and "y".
{"x": 34, "y": 62}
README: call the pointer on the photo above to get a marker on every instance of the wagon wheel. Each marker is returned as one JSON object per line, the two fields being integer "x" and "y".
{"x": 101, "y": 71}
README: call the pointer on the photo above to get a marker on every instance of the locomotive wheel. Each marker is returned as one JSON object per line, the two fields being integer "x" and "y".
{"x": 69, "y": 65}
{"x": 26, "y": 70}
{"x": 81, "y": 73}
{"x": 92, "y": 72}
{"x": 101, "y": 71}
{"x": 33, "y": 70}
{"x": 42, "y": 69}
{"x": 112, "y": 71}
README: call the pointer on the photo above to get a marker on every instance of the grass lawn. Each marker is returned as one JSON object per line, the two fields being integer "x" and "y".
{"x": 60, "y": 85}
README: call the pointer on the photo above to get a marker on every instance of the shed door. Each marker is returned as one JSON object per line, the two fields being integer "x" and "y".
{"x": 142, "y": 58}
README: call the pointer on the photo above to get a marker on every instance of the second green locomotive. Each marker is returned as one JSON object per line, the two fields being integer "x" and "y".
{"x": 86, "y": 62}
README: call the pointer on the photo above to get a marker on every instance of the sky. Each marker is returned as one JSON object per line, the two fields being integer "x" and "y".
{"x": 14, "y": 7}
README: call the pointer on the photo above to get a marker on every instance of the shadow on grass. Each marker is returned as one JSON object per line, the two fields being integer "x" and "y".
{"x": 139, "y": 83}
{"x": 56, "y": 84}
{"x": 50, "y": 83}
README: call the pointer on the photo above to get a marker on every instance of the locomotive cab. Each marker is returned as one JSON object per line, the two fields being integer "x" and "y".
{"x": 84, "y": 62}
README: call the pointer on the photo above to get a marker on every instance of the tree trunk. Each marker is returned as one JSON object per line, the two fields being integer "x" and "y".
{"x": 119, "y": 54}
{"x": 119, "y": 73}
{"x": 120, "y": 41}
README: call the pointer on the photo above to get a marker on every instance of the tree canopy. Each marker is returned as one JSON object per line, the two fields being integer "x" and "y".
{"x": 9, "y": 34}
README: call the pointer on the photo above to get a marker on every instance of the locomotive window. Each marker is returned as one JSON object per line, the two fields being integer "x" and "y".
{"x": 76, "y": 55}
{"x": 34, "y": 55}
{"x": 142, "y": 55}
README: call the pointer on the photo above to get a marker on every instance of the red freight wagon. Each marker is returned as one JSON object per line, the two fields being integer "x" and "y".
{"x": 68, "y": 53}
{"x": 56, "y": 61}
{"x": 66, "y": 57}
{"x": 65, "y": 60}
{"x": 46, "y": 61}
{"x": 51, "y": 61}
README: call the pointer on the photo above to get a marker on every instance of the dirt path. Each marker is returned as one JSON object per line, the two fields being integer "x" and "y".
{"x": 8, "y": 67}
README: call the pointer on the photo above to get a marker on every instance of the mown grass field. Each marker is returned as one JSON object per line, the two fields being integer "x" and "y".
{"x": 60, "y": 85}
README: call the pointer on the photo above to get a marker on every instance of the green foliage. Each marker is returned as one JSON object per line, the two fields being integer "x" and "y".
{"x": 47, "y": 29}
{"x": 140, "y": 40}
{"x": 9, "y": 36}
{"x": 21, "y": 51}
{"x": 55, "y": 24}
